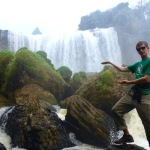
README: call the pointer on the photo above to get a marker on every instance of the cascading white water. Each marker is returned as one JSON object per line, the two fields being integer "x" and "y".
{"x": 136, "y": 129}
{"x": 80, "y": 50}
{"x": 84, "y": 50}
{"x": 4, "y": 138}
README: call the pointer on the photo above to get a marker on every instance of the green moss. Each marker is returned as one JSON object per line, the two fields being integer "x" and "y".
{"x": 5, "y": 58}
{"x": 27, "y": 63}
{"x": 105, "y": 81}
{"x": 53, "y": 102}
{"x": 44, "y": 56}
{"x": 65, "y": 72}
{"x": 77, "y": 80}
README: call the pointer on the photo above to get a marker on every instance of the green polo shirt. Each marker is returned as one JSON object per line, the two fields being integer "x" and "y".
{"x": 140, "y": 69}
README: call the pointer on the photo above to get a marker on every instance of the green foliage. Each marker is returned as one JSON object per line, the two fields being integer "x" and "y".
{"x": 77, "y": 80}
{"x": 106, "y": 81}
{"x": 26, "y": 63}
{"x": 65, "y": 72}
{"x": 106, "y": 67}
{"x": 5, "y": 58}
{"x": 44, "y": 55}
{"x": 78, "y": 76}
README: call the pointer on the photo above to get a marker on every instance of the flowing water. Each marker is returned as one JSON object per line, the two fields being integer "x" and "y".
{"x": 133, "y": 122}
{"x": 4, "y": 138}
{"x": 135, "y": 127}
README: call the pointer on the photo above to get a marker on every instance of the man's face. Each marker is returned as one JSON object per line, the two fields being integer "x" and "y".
{"x": 142, "y": 50}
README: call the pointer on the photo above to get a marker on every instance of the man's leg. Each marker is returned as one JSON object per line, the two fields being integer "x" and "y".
{"x": 123, "y": 106}
{"x": 143, "y": 110}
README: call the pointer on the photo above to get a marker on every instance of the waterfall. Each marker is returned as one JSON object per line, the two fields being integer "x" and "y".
{"x": 84, "y": 50}
{"x": 80, "y": 50}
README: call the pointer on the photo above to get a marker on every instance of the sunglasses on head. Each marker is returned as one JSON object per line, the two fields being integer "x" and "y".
{"x": 141, "y": 48}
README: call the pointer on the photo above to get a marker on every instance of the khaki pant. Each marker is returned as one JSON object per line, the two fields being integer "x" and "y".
{"x": 126, "y": 104}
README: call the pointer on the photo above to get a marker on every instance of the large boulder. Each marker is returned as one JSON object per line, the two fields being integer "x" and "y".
{"x": 91, "y": 125}
{"x": 103, "y": 91}
{"x": 2, "y": 147}
{"x": 30, "y": 93}
{"x": 35, "y": 127}
{"x": 30, "y": 68}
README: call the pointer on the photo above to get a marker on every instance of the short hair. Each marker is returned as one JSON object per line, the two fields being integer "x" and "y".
{"x": 142, "y": 43}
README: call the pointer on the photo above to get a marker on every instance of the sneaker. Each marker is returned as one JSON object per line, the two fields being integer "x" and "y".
{"x": 124, "y": 139}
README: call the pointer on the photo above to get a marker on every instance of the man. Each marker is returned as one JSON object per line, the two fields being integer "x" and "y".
{"x": 134, "y": 99}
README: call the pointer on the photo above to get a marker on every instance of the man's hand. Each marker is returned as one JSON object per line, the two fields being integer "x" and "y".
{"x": 124, "y": 82}
{"x": 106, "y": 62}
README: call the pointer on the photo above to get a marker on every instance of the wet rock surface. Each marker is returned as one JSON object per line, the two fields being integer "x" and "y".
{"x": 125, "y": 147}
{"x": 91, "y": 125}
{"x": 36, "y": 128}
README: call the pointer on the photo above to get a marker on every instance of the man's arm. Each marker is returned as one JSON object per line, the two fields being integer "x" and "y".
{"x": 121, "y": 68}
{"x": 144, "y": 79}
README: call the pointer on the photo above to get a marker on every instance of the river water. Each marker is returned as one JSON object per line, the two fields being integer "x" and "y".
{"x": 135, "y": 127}
{"x": 133, "y": 122}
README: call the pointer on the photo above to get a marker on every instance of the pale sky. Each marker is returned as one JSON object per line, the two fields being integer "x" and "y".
{"x": 24, "y": 16}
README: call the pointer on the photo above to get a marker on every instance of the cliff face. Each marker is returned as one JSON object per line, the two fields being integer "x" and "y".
{"x": 131, "y": 25}
{"x": 4, "y": 39}
{"x": 14, "y": 41}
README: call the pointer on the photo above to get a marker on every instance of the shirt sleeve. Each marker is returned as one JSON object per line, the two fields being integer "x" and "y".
{"x": 148, "y": 68}
{"x": 132, "y": 67}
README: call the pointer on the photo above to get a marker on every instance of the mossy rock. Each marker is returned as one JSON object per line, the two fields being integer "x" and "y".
{"x": 30, "y": 68}
{"x": 91, "y": 125}
{"x": 31, "y": 93}
{"x": 103, "y": 91}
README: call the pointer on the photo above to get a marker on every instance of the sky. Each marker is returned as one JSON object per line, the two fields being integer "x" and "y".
{"x": 23, "y": 16}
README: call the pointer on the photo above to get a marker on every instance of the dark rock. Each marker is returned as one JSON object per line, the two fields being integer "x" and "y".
{"x": 125, "y": 147}
{"x": 2, "y": 147}
{"x": 88, "y": 122}
{"x": 36, "y": 128}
